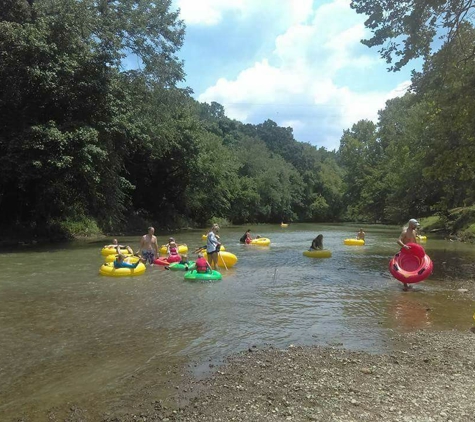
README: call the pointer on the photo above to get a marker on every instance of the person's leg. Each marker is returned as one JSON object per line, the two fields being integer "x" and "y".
{"x": 215, "y": 260}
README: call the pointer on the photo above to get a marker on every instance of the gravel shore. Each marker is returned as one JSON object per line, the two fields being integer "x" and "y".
{"x": 429, "y": 377}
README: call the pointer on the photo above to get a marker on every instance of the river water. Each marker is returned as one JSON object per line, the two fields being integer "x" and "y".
{"x": 68, "y": 335}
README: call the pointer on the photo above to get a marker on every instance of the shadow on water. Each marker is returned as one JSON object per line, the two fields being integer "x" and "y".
{"x": 70, "y": 335}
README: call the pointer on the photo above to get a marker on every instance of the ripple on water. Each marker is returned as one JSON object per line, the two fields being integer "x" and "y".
{"x": 63, "y": 326}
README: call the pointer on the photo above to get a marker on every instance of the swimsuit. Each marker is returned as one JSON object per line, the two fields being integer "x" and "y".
{"x": 125, "y": 264}
{"x": 149, "y": 256}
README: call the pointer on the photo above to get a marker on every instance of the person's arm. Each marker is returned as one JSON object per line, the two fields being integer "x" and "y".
{"x": 400, "y": 241}
{"x": 155, "y": 246}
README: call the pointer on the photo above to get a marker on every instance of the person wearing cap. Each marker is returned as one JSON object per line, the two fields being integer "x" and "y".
{"x": 408, "y": 235}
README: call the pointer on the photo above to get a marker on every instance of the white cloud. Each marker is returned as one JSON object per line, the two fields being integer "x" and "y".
{"x": 207, "y": 12}
{"x": 301, "y": 83}
{"x": 211, "y": 12}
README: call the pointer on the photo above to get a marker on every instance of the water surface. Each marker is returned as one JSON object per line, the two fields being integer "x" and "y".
{"x": 68, "y": 335}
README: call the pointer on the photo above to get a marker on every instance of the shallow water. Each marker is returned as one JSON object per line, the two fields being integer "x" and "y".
{"x": 69, "y": 335}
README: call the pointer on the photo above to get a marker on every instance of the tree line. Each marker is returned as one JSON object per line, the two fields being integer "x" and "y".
{"x": 85, "y": 141}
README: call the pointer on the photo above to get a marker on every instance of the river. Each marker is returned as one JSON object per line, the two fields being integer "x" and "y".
{"x": 70, "y": 336}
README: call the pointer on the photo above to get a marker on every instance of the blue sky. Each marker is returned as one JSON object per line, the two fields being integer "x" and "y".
{"x": 297, "y": 62}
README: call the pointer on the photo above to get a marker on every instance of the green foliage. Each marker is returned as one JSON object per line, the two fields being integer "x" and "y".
{"x": 87, "y": 146}
{"x": 84, "y": 227}
{"x": 406, "y": 30}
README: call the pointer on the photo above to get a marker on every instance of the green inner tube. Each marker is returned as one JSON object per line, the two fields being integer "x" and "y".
{"x": 176, "y": 266}
{"x": 194, "y": 275}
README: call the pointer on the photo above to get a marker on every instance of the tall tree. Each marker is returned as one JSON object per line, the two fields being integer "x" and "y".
{"x": 406, "y": 29}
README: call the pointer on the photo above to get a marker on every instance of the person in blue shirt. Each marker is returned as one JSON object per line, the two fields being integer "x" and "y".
{"x": 121, "y": 263}
{"x": 213, "y": 246}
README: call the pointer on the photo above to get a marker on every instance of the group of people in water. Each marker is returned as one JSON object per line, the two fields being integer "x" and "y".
{"x": 247, "y": 238}
{"x": 149, "y": 251}
{"x": 317, "y": 243}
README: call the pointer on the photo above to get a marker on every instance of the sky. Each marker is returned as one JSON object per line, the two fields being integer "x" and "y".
{"x": 299, "y": 63}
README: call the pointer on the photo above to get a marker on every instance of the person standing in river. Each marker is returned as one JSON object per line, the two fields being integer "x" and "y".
{"x": 360, "y": 235}
{"x": 213, "y": 246}
{"x": 408, "y": 235}
{"x": 148, "y": 246}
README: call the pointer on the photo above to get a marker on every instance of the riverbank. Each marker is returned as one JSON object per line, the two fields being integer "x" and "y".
{"x": 429, "y": 376}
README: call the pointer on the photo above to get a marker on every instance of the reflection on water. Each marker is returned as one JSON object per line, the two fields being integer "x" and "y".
{"x": 68, "y": 333}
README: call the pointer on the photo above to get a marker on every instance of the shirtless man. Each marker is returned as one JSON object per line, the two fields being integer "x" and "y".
{"x": 408, "y": 235}
{"x": 148, "y": 246}
{"x": 360, "y": 235}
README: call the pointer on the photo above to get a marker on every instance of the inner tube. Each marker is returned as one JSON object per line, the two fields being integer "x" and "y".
{"x": 173, "y": 258}
{"x": 354, "y": 242}
{"x": 284, "y": 225}
{"x": 194, "y": 275}
{"x": 204, "y": 237}
{"x": 181, "y": 249}
{"x": 421, "y": 238}
{"x": 262, "y": 241}
{"x": 411, "y": 265}
{"x": 108, "y": 269}
{"x": 225, "y": 259}
{"x": 113, "y": 251}
{"x": 161, "y": 261}
{"x": 321, "y": 253}
{"x": 176, "y": 266}
{"x": 112, "y": 258}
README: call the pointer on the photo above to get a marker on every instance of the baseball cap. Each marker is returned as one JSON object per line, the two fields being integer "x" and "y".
{"x": 414, "y": 221}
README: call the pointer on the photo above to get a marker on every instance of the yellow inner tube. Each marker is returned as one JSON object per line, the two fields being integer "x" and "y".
{"x": 421, "y": 238}
{"x": 323, "y": 253}
{"x": 262, "y": 241}
{"x": 181, "y": 249}
{"x": 227, "y": 258}
{"x": 284, "y": 225}
{"x": 354, "y": 242}
{"x": 108, "y": 269}
{"x": 113, "y": 251}
{"x": 204, "y": 237}
{"x": 112, "y": 258}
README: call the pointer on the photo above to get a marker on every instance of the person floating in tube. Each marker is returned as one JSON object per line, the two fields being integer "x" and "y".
{"x": 246, "y": 237}
{"x": 202, "y": 265}
{"x": 408, "y": 235}
{"x": 317, "y": 243}
{"x": 121, "y": 263}
{"x": 115, "y": 245}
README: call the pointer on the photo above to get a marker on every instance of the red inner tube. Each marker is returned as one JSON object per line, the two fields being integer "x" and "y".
{"x": 411, "y": 265}
{"x": 161, "y": 261}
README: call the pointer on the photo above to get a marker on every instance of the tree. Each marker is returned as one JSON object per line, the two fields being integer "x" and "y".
{"x": 68, "y": 112}
{"x": 406, "y": 29}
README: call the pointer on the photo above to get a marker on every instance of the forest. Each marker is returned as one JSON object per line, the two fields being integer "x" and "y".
{"x": 87, "y": 146}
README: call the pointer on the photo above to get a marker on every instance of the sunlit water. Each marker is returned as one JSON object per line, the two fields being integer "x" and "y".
{"x": 68, "y": 333}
